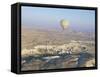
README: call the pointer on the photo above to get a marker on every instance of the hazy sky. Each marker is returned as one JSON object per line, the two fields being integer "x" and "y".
{"x": 49, "y": 18}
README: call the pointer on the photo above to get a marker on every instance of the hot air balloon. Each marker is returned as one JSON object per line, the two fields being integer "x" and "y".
{"x": 64, "y": 24}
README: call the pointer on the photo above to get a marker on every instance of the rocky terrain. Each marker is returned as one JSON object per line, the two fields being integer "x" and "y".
{"x": 46, "y": 49}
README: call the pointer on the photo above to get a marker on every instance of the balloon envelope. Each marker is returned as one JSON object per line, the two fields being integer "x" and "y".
{"x": 64, "y": 24}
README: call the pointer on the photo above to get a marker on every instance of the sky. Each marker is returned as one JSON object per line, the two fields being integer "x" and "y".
{"x": 49, "y": 18}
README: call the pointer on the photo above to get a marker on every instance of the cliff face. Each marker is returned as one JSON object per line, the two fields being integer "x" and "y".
{"x": 59, "y": 61}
